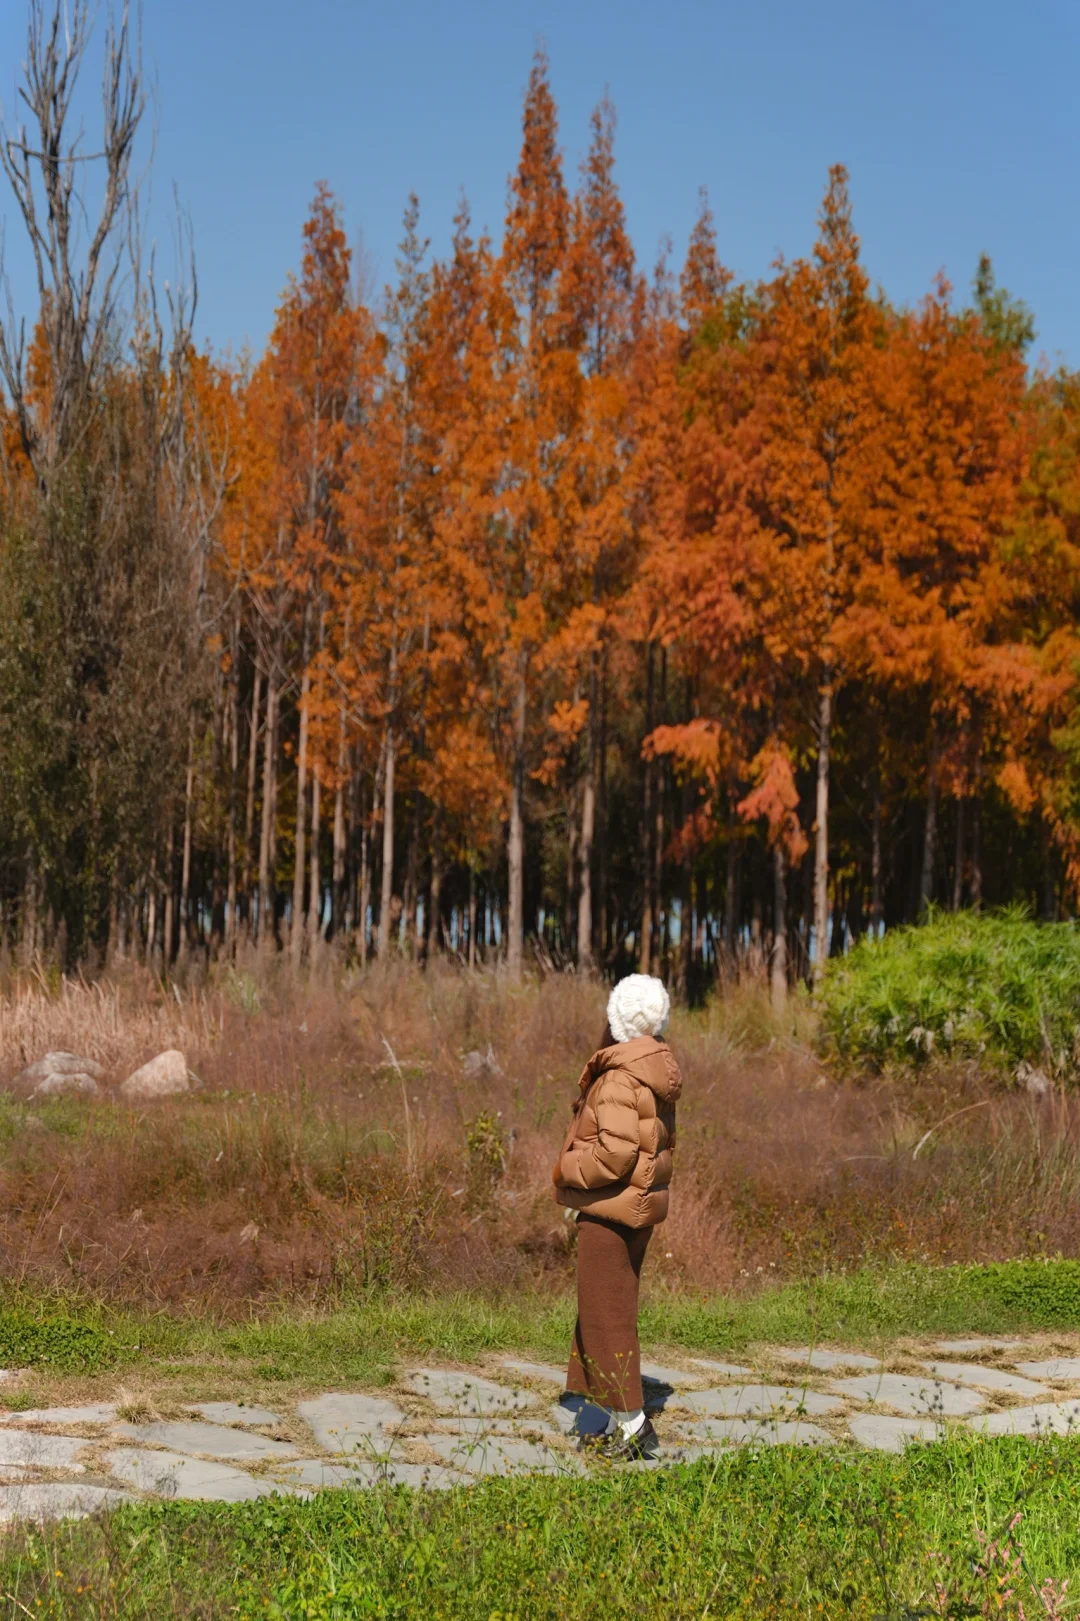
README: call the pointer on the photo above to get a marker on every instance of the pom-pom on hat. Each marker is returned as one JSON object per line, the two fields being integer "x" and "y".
{"x": 638, "y": 1006}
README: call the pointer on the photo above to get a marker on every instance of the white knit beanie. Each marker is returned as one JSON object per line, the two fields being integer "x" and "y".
{"x": 638, "y": 1006}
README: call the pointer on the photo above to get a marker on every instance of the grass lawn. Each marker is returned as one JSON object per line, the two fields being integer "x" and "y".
{"x": 780, "y": 1532}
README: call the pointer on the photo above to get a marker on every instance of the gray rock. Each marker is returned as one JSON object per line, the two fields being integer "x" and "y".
{"x": 478, "y": 1063}
{"x": 503, "y": 1455}
{"x": 58, "y": 1073}
{"x": 826, "y": 1361}
{"x": 453, "y": 1392}
{"x": 164, "y": 1076}
{"x": 885, "y": 1434}
{"x": 973, "y": 1373}
{"x": 1048, "y": 1418}
{"x": 733, "y": 1370}
{"x": 55, "y": 1500}
{"x": 746, "y": 1400}
{"x": 343, "y": 1422}
{"x": 544, "y": 1371}
{"x": 41, "y": 1451}
{"x": 756, "y": 1432}
{"x": 214, "y": 1439}
{"x": 171, "y": 1474}
{"x": 235, "y": 1412}
{"x": 101, "y": 1412}
{"x": 925, "y": 1398}
{"x": 1055, "y": 1367}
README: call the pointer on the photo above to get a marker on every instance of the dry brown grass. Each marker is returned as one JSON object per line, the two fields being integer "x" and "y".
{"x": 329, "y": 1146}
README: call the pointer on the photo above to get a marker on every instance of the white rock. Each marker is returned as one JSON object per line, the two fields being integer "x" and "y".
{"x": 675, "y": 1377}
{"x": 733, "y": 1370}
{"x": 170, "y": 1474}
{"x": 973, "y": 1373}
{"x": 54, "y": 1500}
{"x": 163, "y": 1077}
{"x": 966, "y": 1347}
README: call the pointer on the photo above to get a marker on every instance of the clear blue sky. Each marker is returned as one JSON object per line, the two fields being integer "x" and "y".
{"x": 956, "y": 119}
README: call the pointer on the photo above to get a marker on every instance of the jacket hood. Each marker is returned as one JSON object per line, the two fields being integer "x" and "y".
{"x": 650, "y": 1062}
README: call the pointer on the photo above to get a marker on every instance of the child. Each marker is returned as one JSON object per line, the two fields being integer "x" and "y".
{"x": 614, "y": 1170}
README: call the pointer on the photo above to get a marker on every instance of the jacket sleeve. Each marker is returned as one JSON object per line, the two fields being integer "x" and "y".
{"x": 612, "y": 1155}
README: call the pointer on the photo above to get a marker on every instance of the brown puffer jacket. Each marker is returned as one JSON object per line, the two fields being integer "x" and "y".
{"x": 616, "y": 1160}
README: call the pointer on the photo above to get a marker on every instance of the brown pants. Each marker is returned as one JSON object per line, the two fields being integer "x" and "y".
{"x": 605, "y": 1359}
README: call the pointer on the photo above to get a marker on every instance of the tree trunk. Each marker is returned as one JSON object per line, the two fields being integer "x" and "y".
{"x": 603, "y": 931}
{"x": 249, "y": 809}
{"x": 515, "y": 929}
{"x": 296, "y": 928}
{"x": 185, "y": 864}
{"x": 267, "y": 832}
{"x": 365, "y": 887}
{"x": 386, "y": 897}
{"x": 170, "y": 900}
{"x": 779, "y": 977}
{"x": 231, "y": 895}
{"x": 588, "y": 830}
{"x": 926, "y": 881}
{"x": 875, "y": 860}
{"x": 152, "y": 915}
{"x": 730, "y": 890}
{"x": 434, "y": 922}
{"x": 337, "y": 899}
{"x": 648, "y": 908}
{"x": 472, "y": 914}
{"x": 958, "y": 858}
{"x": 821, "y": 834}
{"x": 412, "y": 881}
{"x": 315, "y": 883}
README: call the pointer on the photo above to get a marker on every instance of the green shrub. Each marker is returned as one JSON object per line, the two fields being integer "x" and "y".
{"x": 56, "y": 1342}
{"x": 996, "y": 987}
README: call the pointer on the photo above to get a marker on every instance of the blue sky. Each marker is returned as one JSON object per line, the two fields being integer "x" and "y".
{"x": 956, "y": 120}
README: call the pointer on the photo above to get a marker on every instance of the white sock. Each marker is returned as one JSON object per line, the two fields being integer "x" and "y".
{"x": 630, "y": 1423}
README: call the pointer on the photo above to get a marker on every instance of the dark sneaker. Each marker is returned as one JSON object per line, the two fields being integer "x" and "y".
{"x": 620, "y": 1448}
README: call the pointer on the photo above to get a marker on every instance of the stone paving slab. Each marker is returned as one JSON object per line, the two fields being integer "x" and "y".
{"x": 235, "y": 1412}
{"x": 536, "y": 1370}
{"x": 172, "y": 1474}
{"x": 737, "y": 1400}
{"x": 919, "y": 1397}
{"x": 217, "y": 1440}
{"x": 973, "y": 1373}
{"x": 826, "y": 1361}
{"x": 342, "y": 1421}
{"x": 675, "y": 1377}
{"x": 885, "y": 1434}
{"x": 1057, "y": 1418}
{"x": 1055, "y": 1367}
{"x": 731, "y": 1370}
{"x": 451, "y": 1392}
{"x": 56, "y": 1499}
{"x": 503, "y": 1455}
{"x": 759, "y": 1432}
{"x": 101, "y": 1412}
{"x": 966, "y": 1347}
{"x": 30, "y": 1447}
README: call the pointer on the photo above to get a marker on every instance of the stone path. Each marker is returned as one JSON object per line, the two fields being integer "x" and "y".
{"x": 443, "y": 1427}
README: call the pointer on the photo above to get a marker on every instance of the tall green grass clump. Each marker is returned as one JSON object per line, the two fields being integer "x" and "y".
{"x": 997, "y": 987}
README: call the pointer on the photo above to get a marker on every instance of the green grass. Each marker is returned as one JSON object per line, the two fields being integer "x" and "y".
{"x": 362, "y": 1343}
{"x": 781, "y": 1532}
{"x": 996, "y": 987}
